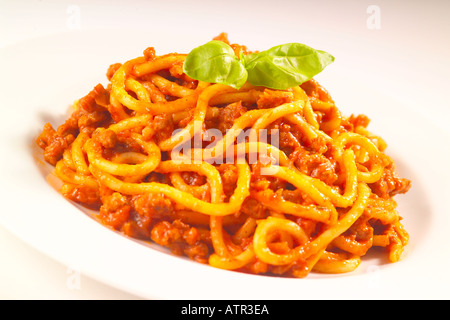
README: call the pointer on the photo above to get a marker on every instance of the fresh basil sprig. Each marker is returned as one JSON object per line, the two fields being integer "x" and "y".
{"x": 215, "y": 62}
{"x": 280, "y": 67}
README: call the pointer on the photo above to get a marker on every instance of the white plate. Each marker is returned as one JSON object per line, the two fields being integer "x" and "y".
{"x": 42, "y": 77}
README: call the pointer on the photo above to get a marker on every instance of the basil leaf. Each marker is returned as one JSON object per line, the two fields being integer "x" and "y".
{"x": 286, "y": 65}
{"x": 215, "y": 62}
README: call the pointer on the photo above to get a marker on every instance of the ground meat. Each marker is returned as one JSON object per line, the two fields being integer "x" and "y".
{"x": 44, "y": 139}
{"x": 115, "y": 210}
{"x": 228, "y": 115}
{"x": 294, "y": 196}
{"x": 82, "y": 194}
{"x": 164, "y": 234}
{"x": 157, "y": 177}
{"x": 253, "y": 208}
{"x": 238, "y": 49}
{"x": 257, "y": 267}
{"x": 149, "y": 53}
{"x": 176, "y": 70}
{"x": 222, "y": 37}
{"x": 314, "y": 90}
{"x": 181, "y": 239}
{"x": 107, "y": 138}
{"x": 70, "y": 127}
{"x": 198, "y": 252}
{"x": 229, "y": 176}
{"x": 359, "y": 120}
{"x": 88, "y": 122}
{"x": 137, "y": 226}
{"x": 193, "y": 178}
{"x": 289, "y": 139}
{"x": 390, "y": 184}
{"x": 148, "y": 209}
{"x": 163, "y": 127}
{"x": 315, "y": 165}
{"x": 154, "y": 205}
{"x": 361, "y": 231}
{"x": 274, "y": 98}
{"x": 88, "y": 116}
{"x": 319, "y": 145}
{"x": 112, "y": 70}
{"x": 53, "y": 144}
{"x": 95, "y": 100}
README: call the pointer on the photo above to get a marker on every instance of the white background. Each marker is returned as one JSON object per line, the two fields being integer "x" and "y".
{"x": 410, "y": 49}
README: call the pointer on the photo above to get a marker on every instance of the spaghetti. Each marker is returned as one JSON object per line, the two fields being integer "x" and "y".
{"x": 256, "y": 180}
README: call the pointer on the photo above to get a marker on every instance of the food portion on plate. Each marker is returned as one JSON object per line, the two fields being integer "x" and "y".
{"x": 232, "y": 158}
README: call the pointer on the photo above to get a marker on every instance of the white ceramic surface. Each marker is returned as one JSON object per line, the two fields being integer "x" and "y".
{"x": 44, "y": 74}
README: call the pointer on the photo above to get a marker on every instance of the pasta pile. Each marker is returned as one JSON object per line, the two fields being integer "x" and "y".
{"x": 256, "y": 180}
